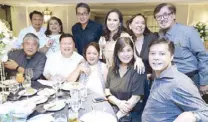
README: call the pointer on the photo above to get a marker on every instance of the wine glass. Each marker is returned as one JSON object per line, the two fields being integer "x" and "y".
{"x": 60, "y": 118}
{"x": 29, "y": 73}
{"x": 27, "y": 85}
{"x": 55, "y": 87}
{"x": 13, "y": 88}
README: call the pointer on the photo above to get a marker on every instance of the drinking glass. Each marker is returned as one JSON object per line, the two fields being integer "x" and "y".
{"x": 13, "y": 88}
{"x": 75, "y": 104}
{"x": 72, "y": 116}
{"x": 29, "y": 73}
{"x": 20, "y": 78}
{"x": 83, "y": 93}
{"x": 55, "y": 87}
{"x": 60, "y": 118}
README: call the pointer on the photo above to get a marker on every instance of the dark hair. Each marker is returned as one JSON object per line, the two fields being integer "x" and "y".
{"x": 48, "y": 32}
{"x": 120, "y": 29}
{"x": 65, "y": 35}
{"x": 95, "y": 45}
{"x": 83, "y": 5}
{"x": 120, "y": 44}
{"x": 35, "y": 12}
{"x": 146, "y": 30}
{"x": 163, "y": 40}
{"x": 170, "y": 6}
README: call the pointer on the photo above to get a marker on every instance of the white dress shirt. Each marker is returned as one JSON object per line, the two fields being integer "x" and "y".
{"x": 30, "y": 29}
{"x": 56, "y": 64}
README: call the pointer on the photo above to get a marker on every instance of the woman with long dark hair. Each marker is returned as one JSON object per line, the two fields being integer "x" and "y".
{"x": 124, "y": 86}
{"x": 113, "y": 29}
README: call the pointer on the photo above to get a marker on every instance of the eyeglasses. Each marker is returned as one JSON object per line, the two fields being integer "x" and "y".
{"x": 165, "y": 16}
{"x": 82, "y": 14}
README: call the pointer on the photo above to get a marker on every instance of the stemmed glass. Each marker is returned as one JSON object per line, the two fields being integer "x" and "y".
{"x": 13, "y": 88}
{"x": 55, "y": 86}
{"x": 29, "y": 74}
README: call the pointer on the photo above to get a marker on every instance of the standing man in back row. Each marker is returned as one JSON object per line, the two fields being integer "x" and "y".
{"x": 86, "y": 30}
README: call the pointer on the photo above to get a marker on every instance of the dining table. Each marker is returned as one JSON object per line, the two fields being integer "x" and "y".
{"x": 86, "y": 107}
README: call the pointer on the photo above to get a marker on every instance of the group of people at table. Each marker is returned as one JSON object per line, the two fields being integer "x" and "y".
{"x": 145, "y": 76}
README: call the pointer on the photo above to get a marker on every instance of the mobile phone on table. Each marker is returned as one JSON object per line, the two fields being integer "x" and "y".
{"x": 99, "y": 99}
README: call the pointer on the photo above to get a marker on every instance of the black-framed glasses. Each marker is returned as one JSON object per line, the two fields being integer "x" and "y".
{"x": 165, "y": 16}
{"x": 82, "y": 14}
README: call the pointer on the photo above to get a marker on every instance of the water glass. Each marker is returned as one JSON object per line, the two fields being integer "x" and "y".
{"x": 60, "y": 118}
{"x": 83, "y": 93}
{"x": 13, "y": 88}
{"x": 75, "y": 104}
{"x": 72, "y": 116}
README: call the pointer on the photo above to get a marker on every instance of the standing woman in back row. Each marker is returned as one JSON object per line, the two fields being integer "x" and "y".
{"x": 142, "y": 37}
{"x": 113, "y": 29}
{"x": 52, "y": 35}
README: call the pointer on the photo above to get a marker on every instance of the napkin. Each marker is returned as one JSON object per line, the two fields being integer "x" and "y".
{"x": 42, "y": 118}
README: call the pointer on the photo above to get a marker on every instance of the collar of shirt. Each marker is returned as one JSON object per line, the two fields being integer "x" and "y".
{"x": 88, "y": 24}
{"x": 42, "y": 30}
{"x": 168, "y": 73}
{"x": 173, "y": 29}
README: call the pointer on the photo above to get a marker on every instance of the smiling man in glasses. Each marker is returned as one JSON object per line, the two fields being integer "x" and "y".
{"x": 86, "y": 30}
{"x": 190, "y": 56}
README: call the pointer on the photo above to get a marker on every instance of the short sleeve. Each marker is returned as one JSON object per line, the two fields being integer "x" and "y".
{"x": 138, "y": 84}
{"x": 107, "y": 83}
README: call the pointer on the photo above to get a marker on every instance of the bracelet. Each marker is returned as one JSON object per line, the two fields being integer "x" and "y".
{"x": 17, "y": 68}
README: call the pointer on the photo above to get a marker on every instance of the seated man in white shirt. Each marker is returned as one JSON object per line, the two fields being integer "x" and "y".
{"x": 36, "y": 28}
{"x": 63, "y": 62}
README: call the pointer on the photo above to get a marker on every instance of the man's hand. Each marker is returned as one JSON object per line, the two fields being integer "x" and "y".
{"x": 11, "y": 64}
{"x": 124, "y": 106}
{"x": 203, "y": 89}
{"x": 185, "y": 117}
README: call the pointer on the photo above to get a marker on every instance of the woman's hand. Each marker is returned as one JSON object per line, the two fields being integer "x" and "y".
{"x": 123, "y": 106}
{"x": 139, "y": 65}
{"x": 50, "y": 43}
{"x": 84, "y": 69}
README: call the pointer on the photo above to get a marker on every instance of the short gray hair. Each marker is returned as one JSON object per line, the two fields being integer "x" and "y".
{"x": 32, "y": 37}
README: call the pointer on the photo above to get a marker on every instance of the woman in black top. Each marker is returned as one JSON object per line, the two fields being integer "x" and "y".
{"x": 142, "y": 37}
{"x": 124, "y": 86}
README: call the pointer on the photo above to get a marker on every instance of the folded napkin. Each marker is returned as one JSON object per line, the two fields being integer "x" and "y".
{"x": 42, "y": 118}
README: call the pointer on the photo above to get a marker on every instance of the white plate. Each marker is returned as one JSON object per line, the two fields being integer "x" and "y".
{"x": 46, "y": 92}
{"x": 39, "y": 99}
{"x": 54, "y": 106}
{"x": 47, "y": 82}
{"x": 98, "y": 116}
{"x": 71, "y": 85}
{"x": 28, "y": 92}
{"x": 9, "y": 82}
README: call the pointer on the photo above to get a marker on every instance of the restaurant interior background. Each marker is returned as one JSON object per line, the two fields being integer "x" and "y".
{"x": 16, "y": 11}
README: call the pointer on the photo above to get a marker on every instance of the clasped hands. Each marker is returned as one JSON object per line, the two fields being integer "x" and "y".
{"x": 124, "y": 108}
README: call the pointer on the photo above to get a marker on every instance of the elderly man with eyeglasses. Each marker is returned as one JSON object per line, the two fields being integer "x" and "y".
{"x": 86, "y": 30}
{"x": 190, "y": 56}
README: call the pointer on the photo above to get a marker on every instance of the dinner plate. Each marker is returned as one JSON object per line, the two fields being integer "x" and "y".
{"x": 9, "y": 82}
{"x": 98, "y": 116}
{"x": 39, "y": 99}
{"x": 55, "y": 105}
{"x": 27, "y": 92}
{"x": 71, "y": 85}
{"x": 46, "y": 92}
